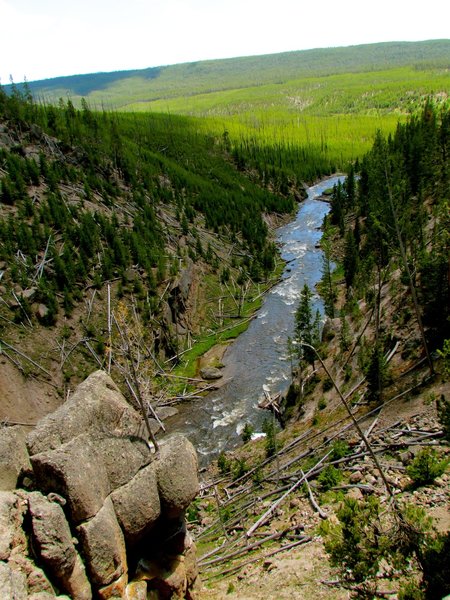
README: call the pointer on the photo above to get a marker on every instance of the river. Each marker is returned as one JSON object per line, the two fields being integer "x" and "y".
{"x": 258, "y": 359}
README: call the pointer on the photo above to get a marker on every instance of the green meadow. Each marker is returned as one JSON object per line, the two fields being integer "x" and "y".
{"x": 336, "y": 114}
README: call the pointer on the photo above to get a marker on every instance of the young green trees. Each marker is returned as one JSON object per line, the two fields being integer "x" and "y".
{"x": 307, "y": 327}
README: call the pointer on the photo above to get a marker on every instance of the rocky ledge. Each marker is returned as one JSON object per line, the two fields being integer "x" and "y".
{"x": 88, "y": 510}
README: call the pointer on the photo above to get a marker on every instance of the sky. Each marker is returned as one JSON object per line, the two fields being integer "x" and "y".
{"x": 40, "y": 39}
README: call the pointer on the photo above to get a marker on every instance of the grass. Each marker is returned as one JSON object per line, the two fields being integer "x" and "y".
{"x": 335, "y": 114}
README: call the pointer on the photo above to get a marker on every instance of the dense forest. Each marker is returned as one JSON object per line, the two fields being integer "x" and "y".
{"x": 396, "y": 216}
{"x": 388, "y": 233}
{"x": 161, "y": 159}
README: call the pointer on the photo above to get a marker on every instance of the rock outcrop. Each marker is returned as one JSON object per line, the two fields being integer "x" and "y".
{"x": 102, "y": 515}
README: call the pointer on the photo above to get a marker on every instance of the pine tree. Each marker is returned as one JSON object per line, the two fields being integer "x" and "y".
{"x": 307, "y": 328}
{"x": 350, "y": 258}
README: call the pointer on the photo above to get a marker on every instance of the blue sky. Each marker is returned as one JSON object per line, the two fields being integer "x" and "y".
{"x": 47, "y": 38}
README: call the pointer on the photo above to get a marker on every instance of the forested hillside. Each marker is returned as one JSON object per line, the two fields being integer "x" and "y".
{"x": 123, "y": 87}
{"x": 388, "y": 231}
{"x": 140, "y": 207}
{"x": 134, "y": 241}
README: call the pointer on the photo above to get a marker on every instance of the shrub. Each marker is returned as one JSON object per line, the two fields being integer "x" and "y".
{"x": 436, "y": 566}
{"x": 268, "y": 428}
{"x": 445, "y": 356}
{"x": 339, "y": 449}
{"x": 193, "y": 512}
{"x": 247, "y": 433}
{"x": 322, "y": 404}
{"x": 426, "y": 467}
{"x": 329, "y": 477}
{"x": 366, "y": 536}
{"x": 239, "y": 468}
{"x": 223, "y": 463}
{"x": 327, "y": 384}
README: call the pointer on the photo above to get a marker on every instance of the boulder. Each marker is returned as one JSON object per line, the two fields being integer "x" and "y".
{"x": 166, "y": 576}
{"x": 13, "y": 584}
{"x": 137, "y": 504}
{"x": 76, "y": 583}
{"x": 356, "y": 477}
{"x": 116, "y": 589}
{"x": 11, "y": 517}
{"x": 210, "y": 373}
{"x": 191, "y": 565}
{"x": 42, "y": 311}
{"x": 103, "y": 546}
{"x": 166, "y": 411}
{"x": 46, "y": 596}
{"x": 37, "y": 581}
{"x": 52, "y": 538}
{"x": 75, "y": 471}
{"x": 176, "y": 471}
{"x": 331, "y": 328}
{"x": 29, "y": 294}
{"x": 136, "y": 590}
{"x": 96, "y": 406}
{"x": 14, "y": 459}
{"x": 122, "y": 456}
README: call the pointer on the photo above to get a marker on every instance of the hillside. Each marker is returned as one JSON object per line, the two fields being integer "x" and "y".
{"x": 119, "y": 89}
{"x": 116, "y": 227}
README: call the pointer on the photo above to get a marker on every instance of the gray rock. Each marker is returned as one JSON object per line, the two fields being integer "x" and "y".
{"x": 137, "y": 504}
{"x": 29, "y": 294}
{"x": 96, "y": 406}
{"x": 166, "y": 411}
{"x": 176, "y": 471}
{"x": 37, "y": 580}
{"x": 191, "y": 564}
{"x": 42, "y": 311}
{"x": 52, "y": 538}
{"x": 355, "y": 493}
{"x": 331, "y": 328}
{"x": 211, "y": 373}
{"x": 14, "y": 459}
{"x": 75, "y": 471}
{"x": 406, "y": 457}
{"x": 45, "y": 596}
{"x": 370, "y": 479}
{"x": 103, "y": 546}
{"x": 13, "y": 584}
